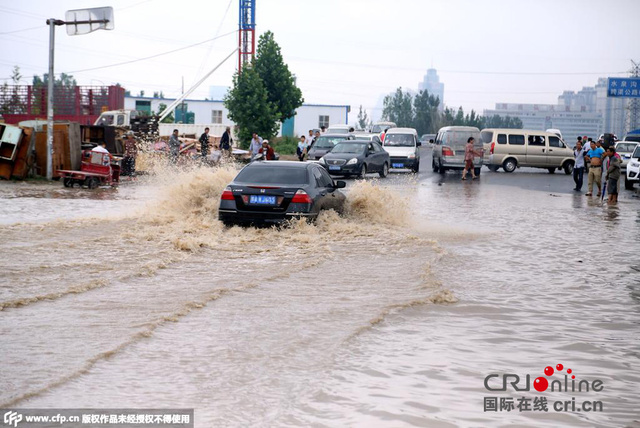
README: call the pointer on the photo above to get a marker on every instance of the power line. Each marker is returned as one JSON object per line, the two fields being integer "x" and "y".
{"x": 150, "y": 57}
{"x": 206, "y": 57}
{"x": 24, "y": 29}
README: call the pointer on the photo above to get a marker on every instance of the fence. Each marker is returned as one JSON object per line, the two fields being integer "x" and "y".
{"x": 81, "y": 104}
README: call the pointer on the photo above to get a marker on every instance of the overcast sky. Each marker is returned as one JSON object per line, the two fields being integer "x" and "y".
{"x": 343, "y": 51}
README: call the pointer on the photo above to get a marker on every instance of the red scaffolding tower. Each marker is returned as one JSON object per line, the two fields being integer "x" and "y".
{"x": 247, "y": 32}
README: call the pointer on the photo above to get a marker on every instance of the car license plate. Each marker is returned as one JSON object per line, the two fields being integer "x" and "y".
{"x": 397, "y": 165}
{"x": 334, "y": 168}
{"x": 262, "y": 200}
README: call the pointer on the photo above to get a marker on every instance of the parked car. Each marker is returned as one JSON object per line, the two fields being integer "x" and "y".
{"x": 449, "y": 148}
{"x": 357, "y": 158}
{"x": 633, "y": 169}
{"x": 633, "y": 137}
{"x": 402, "y": 145}
{"x": 379, "y": 127}
{"x": 514, "y": 148}
{"x": 338, "y": 129}
{"x": 270, "y": 192}
{"x": 324, "y": 144}
{"x": 625, "y": 150}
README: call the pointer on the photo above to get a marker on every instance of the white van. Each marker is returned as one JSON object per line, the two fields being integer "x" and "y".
{"x": 402, "y": 145}
{"x": 338, "y": 129}
{"x": 513, "y": 148}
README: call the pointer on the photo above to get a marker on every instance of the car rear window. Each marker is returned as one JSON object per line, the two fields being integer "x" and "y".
{"x": 487, "y": 136}
{"x": 272, "y": 174}
{"x": 459, "y": 138}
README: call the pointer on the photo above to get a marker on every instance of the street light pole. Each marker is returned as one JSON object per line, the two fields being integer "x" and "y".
{"x": 52, "y": 35}
{"x": 89, "y": 17}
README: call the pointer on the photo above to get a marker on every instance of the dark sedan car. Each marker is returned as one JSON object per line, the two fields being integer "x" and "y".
{"x": 271, "y": 192}
{"x": 324, "y": 144}
{"x": 356, "y": 158}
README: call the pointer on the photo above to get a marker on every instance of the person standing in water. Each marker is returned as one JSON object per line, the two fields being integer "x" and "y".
{"x": 130, "y": 155}
{"x": 174, "y": 146}
{"x": 204, "y": 143}
{"x": 469, "y": 153}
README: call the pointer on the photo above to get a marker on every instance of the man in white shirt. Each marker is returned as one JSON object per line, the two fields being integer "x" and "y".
{"x": 256, "y": 144}
{"x": 578, "y": 166}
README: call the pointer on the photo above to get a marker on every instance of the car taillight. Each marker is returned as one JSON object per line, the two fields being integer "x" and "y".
{"x": 301, "y": 197}
{"x": 227, "y": 195}
{"x": 493, "y": 146}
{"x": 446, "y": 151}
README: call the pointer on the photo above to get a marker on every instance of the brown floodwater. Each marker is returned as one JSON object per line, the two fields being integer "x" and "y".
{"x": 391, "y": 315}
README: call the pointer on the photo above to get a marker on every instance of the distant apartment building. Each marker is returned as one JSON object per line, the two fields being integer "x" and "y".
{"x": 432, "y": 84}
{"x": 586, "y": 112}
{"x": 570, "y": 120}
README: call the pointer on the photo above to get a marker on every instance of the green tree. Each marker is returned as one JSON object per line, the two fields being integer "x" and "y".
{"x": 425, "y": 108}
{"x": 169, "y": 119}
{"x": 398, "y": 108}
{"x": 280, "y": 84}
{"x": 363, "y": 119}
{"x": 249, "y": 106}
{"x": 63, "y": 90}
{"x": 497, "y": 121}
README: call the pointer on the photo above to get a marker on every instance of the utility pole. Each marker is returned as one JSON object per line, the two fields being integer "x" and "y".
{"x": 183, "y": 121}
{"x": 633, "y": 107}
{"x": 80, "y": 21}
{"x": 52, "y": 36}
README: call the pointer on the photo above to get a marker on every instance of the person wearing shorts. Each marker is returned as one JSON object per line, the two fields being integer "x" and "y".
{"x": 469, "y": 153}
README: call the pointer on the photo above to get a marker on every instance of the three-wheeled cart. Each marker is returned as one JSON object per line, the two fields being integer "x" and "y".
{"x": 97, "y": 169}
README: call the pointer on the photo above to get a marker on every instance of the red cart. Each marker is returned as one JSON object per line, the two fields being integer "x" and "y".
{"x": 97, "y": 169}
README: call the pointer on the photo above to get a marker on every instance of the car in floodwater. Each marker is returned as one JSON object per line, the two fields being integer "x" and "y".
{"x": 272, "y": 192}
{"x": 356, "y": 158}
{"x": 633, "y": 170}
{"x": 323, "y": 145}
{"x": 403, "y": 146}
{"x": 625, "y": 149}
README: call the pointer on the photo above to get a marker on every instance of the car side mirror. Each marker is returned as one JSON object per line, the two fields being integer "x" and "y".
{"x": 340, "y": 184}
{"x": 419, "y": 143}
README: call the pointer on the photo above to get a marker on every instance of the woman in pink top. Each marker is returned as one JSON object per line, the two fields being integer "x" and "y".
{"x": 469, "y": 153}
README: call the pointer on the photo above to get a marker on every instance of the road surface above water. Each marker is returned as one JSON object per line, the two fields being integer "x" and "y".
{"x": 393, "y": 315}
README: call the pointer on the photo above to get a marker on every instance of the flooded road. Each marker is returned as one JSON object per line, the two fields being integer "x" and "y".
{"x": 392, "y": 315}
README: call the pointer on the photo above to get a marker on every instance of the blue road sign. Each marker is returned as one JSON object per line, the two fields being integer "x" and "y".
{"x": 624, "y": 87}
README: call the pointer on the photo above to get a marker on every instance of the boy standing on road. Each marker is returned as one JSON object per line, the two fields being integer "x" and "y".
{"x": 595, "y": 168}
{"x": 469, "y": 153}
